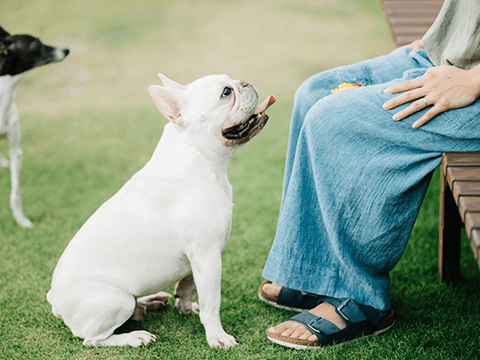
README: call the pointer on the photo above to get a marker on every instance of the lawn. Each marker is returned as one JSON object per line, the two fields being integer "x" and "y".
{"x": 88, "y": 124}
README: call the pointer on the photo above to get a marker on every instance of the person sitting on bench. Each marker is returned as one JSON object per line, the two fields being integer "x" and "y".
{"x": 358, "y": 165}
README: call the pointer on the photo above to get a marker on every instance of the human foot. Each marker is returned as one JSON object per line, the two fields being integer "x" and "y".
{"x": 296, "y": 330}
{"x": 285, "y": 298}
{"x": 330, "y": 322}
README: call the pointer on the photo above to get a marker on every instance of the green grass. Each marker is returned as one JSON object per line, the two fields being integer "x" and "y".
{"x": 88, "y": 124}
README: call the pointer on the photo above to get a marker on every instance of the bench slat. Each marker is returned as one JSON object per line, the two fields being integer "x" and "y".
{"x": 462, "y": 159}
{"x": 462, "y": 174}
{"x": 410, "y": 19}
{"x": 472, "y": 221}
{"x": 470, "y": 204}
{"x": 463, "y": 188}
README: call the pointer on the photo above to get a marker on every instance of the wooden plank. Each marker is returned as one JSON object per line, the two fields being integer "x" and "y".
{"x": 459, "y": 173}
{"x": 412, "y": 21}
{"x": 464, "y": 188}
{"x": 468, "y": 204}
{"x": 411, "y": 30}
{"x": 409, "y": 20}
{"x": 462, "y": 159}
{"x": 472, "y": 221}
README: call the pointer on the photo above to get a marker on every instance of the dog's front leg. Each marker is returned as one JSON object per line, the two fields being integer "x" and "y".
{"x": 3, "y": 162}
{"x": 207, "y": 272}
{"x": 15, "y": 166}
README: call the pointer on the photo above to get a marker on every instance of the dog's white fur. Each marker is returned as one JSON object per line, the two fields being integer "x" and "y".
{"x": 10, "y": 126}
{"x": 171, "y": 219}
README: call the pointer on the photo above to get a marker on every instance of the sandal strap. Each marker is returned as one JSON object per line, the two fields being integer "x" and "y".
{"x": 352, "y": 313}
{"x": 298, "y": 299}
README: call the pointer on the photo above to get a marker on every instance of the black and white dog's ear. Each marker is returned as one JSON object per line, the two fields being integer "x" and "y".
{"x": 3, "y": 34}
{"x": 5, "y": 41}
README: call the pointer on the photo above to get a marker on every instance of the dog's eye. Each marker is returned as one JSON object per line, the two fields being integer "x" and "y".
{"x": 226, "y": 92}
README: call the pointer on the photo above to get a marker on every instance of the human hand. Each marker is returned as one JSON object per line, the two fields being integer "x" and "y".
{"x": 416, "y": 45}
{"x": 443, "y": 87}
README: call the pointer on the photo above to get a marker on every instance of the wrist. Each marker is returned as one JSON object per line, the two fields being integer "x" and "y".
{"x": 474, "y": 79}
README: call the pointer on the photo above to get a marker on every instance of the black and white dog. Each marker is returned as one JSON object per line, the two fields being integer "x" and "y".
{"x": 18, "y": 54}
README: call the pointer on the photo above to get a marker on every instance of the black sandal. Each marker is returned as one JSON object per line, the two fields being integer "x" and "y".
{"x": 361, "y": 320}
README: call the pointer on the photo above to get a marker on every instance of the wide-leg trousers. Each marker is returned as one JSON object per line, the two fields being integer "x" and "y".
{"x": 355, "y": 179}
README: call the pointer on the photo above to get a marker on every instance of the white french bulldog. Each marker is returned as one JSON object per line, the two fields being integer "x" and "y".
{"x": 170, "y": 221}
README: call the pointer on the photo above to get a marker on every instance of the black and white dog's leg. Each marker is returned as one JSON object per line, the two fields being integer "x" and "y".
{"x": 207, "y": 272}
{"x": 4, "y": 162}
{"x": 15, "y": 166}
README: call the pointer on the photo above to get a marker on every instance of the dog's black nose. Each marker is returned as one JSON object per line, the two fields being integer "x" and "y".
{"x": 66, "y": 51}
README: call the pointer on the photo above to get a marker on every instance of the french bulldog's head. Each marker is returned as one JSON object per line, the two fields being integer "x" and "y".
{"x": 215, "y": 106}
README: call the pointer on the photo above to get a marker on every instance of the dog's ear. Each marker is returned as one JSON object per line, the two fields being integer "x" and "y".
{"x": 5, "y": 41}
{"x": 3, "y": 33}
{"x": 168, "y": 102}
{"x": 170, "y": 84}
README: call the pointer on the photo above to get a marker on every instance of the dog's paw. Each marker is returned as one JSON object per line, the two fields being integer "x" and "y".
{"x": 154, "y": 302}
{"x": 24, "y": 222}
{"x": 195, "y": 308}
{"x": 140, "y": 337}
{"x": 223, "y": 341}
{"x": 186, "y": 307}
{"x": 134, "y": 339}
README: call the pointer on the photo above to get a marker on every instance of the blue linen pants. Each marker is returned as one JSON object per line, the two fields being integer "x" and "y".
{"x": 355, "y": 179}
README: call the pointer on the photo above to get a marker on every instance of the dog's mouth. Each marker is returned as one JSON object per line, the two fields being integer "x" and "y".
{"x": 242, "y": 132}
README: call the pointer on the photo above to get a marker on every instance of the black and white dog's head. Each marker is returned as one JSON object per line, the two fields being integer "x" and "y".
{"x": 19, "y": 53}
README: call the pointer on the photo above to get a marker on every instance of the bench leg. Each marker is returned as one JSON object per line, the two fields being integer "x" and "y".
{"x": 450, "y": 233}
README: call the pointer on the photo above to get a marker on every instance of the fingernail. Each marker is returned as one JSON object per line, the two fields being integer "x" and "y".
{"x": 395, "y": 117}
{"x": 387, "y": 91}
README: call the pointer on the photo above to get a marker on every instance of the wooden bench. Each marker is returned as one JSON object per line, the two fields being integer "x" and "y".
{"x": 459, "y": 206}
{"x": 460, "y": 172}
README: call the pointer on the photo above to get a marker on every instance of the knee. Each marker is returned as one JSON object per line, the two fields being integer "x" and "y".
{"x": 326, "y": 118}
{"x": 310, "y": 92}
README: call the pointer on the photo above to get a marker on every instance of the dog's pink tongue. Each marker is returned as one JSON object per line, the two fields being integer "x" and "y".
{"x": 265, "y": 105}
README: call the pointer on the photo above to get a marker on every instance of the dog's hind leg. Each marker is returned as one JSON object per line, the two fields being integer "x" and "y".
{"x": 149, "y": 303}
{"x": 93, "y": 310}
{"x": 15, "y": 166}
{"x": 183, "y": 294}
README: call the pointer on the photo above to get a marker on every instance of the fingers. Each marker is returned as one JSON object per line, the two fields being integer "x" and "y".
{"x": 405, "y": 86}
{"x": 411, "y": 109}
{"x": 416, "y": 45}
{"x": 429, "y": 115}
{"x": 415, "y": 106}
{"x": 404, "y": 98}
